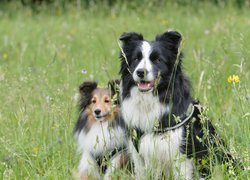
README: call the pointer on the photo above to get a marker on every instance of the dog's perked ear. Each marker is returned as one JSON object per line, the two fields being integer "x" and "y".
{"x": 86, "y": 89}
{"x": 114, "y": 88}
{"x": 172, "y": 38}
{"x": 130, "y": 36}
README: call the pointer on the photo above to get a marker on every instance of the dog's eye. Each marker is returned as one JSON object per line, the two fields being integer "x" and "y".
{"x": 106, "y": 101}
{"x": 154, "y": 57}
{"x": 93, "y": 101}
{"x": 156, "y": 60}
{"x": 138, "y": 56}
{"x": 136, "y": 59}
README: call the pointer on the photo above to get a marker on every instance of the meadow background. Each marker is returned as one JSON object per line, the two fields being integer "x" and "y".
{"x": 46, "y": 45}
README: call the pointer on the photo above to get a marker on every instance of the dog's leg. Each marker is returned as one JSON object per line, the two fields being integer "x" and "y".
{"x": 117, "y": 162}
{"x": 88, "y": 169}
{"x": 184, "y": 170}
{"x": 139, "y": 165}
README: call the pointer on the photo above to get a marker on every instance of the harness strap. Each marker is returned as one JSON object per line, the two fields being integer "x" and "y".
{"x": 136, "y": 133}
{"x": 182, "y": 122}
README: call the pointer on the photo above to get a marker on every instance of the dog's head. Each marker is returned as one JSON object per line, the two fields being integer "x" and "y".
{"x": 149, "y": 64}
{"x": 96, "y": 102}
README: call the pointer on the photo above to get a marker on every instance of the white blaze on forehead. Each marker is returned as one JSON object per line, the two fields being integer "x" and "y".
{"x": 146, "y": 51}
{"x": 145, "y": 62}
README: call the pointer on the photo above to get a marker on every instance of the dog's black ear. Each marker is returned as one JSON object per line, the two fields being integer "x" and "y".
{"x": 130, "y": 36}
{"x": 172, "y": 38}
{"x": 86, "y": 89}
{"x": 114, "y": 88}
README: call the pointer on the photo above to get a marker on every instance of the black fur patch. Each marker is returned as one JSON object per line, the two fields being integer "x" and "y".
{"x": 85, "y": 90}
{"x": 173, "y": 89}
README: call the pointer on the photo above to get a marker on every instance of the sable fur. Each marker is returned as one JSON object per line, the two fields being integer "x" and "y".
{"x": 99, "y": 131}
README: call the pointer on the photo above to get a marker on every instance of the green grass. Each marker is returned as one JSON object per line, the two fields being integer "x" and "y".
{"x": 42, "y": 55}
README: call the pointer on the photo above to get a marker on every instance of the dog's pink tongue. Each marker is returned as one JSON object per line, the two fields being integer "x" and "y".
{"x": 145, "y": 85}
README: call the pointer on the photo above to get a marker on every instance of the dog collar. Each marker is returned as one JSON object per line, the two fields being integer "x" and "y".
{"x": 182, "y": 120}
{"x": 193, "y": 109}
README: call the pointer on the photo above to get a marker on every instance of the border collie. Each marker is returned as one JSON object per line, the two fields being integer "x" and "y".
{"x": 168, "y": 133}
{"x": 99, "y": 131}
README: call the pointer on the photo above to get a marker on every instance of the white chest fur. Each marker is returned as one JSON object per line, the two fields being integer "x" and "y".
{"x": 101, "y": 138}
{"x": 157, "y": 153}
{"x": 164, "y": 146}
{"x": 142, "y": 110}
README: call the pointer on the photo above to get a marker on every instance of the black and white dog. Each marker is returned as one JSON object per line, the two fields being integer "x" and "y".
{"x": 168, "y": 134}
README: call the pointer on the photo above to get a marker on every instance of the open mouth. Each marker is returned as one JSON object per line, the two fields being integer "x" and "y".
{"x": 145, "y": 85}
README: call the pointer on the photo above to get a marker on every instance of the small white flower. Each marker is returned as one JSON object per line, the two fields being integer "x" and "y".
{"x": 84, "y": 71}
{"x": 23, "y": 78}
{"x": 206, "y": 32}
{"x": 48, "y": 99}
{"x": 2, "y": 77}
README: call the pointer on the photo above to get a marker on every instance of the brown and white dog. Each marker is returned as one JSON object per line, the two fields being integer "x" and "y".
{"x": 99, "y": 131}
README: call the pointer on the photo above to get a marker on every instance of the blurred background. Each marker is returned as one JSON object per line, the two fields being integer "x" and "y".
{"x": 49, "y": 47}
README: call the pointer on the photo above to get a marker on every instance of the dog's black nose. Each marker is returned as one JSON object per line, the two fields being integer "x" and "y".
{"x": 141, "y": 73}
{"x": 97, "y": 111}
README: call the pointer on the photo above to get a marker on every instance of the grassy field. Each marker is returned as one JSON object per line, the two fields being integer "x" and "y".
{"x": 43, "y": 54}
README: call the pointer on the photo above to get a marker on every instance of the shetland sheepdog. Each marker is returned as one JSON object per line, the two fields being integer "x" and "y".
{"x": 168, "y": 133}
{"x": 99, "y": 131}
